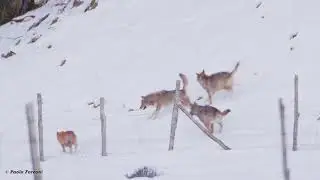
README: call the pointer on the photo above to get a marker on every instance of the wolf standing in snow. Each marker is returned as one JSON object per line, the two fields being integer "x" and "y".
{"x": 67, "y": 139}
{"x": 209, "y": 115}
{"x": 165, "y": 98}
{"x": 217, "y": 81}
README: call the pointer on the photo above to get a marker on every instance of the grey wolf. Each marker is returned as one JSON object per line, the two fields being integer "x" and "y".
{"x": 209, "y": 115}
{"x": 163, "y": 98}
{"x": 217, "y": 81}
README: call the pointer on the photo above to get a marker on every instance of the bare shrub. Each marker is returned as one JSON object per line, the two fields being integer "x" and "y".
{"x": 143, "y": 172}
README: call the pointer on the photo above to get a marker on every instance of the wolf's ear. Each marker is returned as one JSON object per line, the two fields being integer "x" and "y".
{"x": 202, "y": 71}
{"x": 142, "y": 97}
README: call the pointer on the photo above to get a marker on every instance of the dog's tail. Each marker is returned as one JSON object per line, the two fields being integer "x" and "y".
{"x": 184, "y": 81}
{"x": 235, "y": 69}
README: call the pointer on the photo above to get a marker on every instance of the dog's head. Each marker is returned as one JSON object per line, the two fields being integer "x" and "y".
{"x": 145, "y": 102}
{"x": 200, "y": 75}
{"x": 59, "y": 133}
{"x": 194, "y": 109}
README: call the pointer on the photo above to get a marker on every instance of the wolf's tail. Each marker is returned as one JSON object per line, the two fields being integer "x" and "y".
{"x": 235, "y": 69}
{"x": 184, "y": 81}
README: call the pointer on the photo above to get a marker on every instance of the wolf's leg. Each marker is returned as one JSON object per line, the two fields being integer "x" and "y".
{"x": 221, "y": 126}
{"x": 231, "y": 91}
{"x": 209, "y": 126}
{"x": 212, "y": 127}
{"x": 229, "y": 86}
{"x": 155, "y": 113}
{"x": 209, "y": 96}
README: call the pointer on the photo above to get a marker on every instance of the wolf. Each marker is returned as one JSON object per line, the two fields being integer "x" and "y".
{"x": 209, "y": 115}
{"x": 67, "y": 139}
{"x": 163, "y": 98}
{"x": 217, "y": 81}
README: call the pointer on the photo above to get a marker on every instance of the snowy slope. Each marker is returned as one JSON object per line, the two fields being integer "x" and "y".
{"x": 125, "y": 49}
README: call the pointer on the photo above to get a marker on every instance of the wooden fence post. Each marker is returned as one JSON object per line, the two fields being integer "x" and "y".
{"x": 296, "y": 114}
{"x": 40, "y": 126}
{"x": 286, "y": 171}
{"x": 33, "y": 142}
{"x": 174, "y": 120}
{"x": 103, "y": 128}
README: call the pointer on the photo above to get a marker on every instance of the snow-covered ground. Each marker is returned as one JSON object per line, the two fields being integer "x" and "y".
{"x": 125, "y": 49}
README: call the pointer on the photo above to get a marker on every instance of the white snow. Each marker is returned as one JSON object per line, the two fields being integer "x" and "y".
{"x": 125, "y": 49}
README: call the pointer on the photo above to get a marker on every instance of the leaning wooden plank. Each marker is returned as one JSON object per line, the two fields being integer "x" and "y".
{"x": 215, "y": 139}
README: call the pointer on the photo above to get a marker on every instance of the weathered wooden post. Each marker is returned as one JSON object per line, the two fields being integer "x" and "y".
{"x": 286, "y": 171}
{"x": 103, "y": 128}
{"x": 296, "y": 114}
{"x": 37, "y": 172}
{"x": 174, "y": 120}
{"x": 40, "y": 126}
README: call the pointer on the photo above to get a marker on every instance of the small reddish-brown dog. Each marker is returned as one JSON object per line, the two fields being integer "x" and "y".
{"x": 165, "y": 98}
{"x": 209, "y": 115}
{"x": 217, "y": 81}
{"x": 67, "y": 139}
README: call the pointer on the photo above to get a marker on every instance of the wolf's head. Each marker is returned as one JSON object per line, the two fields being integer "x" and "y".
{"x": 194, "y": 110}
{"x": 201, "y": 76}
{"x": 145, "y": 102}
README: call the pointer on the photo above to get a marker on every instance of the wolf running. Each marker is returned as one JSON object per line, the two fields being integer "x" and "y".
{"x": 207, "y": 114}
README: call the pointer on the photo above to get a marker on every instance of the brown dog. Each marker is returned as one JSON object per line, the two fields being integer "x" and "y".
{"x": 165, "y": 98}
{"x": 208, "y": 115}
{"x": 67, "y": 139}
{"x": 217, "y": 81}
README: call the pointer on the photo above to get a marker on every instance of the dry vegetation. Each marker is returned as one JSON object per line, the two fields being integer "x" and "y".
{"x": 34, "y": 38}
{"x": 10, "y": 9}
{"x": 8, "y": 54}
{"x": 36, "y": 24}
{"x": 93, "y": 4}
